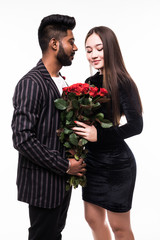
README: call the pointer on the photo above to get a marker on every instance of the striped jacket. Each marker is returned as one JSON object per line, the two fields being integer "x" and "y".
{"x": 42, "y": 163}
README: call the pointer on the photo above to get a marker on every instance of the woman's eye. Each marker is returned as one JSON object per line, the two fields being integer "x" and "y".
{"x": 100, "y": 49}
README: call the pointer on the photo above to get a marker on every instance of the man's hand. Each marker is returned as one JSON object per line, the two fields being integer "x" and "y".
{"x": 76, "y": 167}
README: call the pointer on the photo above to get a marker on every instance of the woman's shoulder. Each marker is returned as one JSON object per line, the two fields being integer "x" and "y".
{"x": 127, "y": 85}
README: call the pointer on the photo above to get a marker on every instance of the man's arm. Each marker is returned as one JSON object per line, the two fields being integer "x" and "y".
{"x": 26, "y": 101}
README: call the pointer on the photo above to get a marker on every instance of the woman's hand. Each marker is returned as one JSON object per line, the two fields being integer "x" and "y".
{"x": 86, "y": 131}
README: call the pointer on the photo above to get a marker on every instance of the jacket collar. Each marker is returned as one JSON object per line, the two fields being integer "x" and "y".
{"x": 41, "y": 67}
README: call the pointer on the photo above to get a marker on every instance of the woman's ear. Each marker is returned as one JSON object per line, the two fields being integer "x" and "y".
{"x": 54, "y": 44}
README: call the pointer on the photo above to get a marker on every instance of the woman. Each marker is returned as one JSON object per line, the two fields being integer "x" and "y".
{"x": 111, "y": 167}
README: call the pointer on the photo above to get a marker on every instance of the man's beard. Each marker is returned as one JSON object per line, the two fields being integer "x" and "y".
{"x": 62, "y": 57}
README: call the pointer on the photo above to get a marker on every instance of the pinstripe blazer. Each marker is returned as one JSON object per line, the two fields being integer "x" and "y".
{"x": 42, "y": 163}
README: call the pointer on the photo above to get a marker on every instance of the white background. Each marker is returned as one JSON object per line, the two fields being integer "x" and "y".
{"x": 137, "y": 26}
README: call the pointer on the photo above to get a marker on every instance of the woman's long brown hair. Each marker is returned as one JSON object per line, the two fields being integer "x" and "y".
{"x": 114, "y": 69}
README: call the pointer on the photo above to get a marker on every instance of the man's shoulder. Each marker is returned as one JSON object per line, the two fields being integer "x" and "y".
{"x": 33, "y": 75}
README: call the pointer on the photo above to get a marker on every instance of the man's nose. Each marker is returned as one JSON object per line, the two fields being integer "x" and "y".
{"x": 75, "y": 47}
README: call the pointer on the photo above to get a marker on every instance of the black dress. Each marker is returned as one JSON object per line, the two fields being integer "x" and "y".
{"x": 111, "y": 166}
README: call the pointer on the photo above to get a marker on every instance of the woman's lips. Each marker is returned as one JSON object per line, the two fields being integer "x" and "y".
{"x": 95, "y": 62}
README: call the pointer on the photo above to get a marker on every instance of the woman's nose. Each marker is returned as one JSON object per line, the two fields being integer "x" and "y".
{"x": 94, "y": 54}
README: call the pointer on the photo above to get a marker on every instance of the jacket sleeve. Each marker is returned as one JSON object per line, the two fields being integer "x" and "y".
{"x": 27, "y": 101}
{"x": 134, "y": 123}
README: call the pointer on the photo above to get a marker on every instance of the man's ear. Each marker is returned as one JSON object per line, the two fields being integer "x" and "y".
{"x": 54, "y": 44}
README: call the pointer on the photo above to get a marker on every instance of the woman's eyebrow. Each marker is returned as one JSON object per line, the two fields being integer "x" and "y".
{"x": 98, "y": 44}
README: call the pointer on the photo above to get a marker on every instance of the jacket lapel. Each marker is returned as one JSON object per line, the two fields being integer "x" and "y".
{"x": 47, "y": 78}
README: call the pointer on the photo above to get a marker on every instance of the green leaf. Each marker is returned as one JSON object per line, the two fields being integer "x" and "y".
{"x": 72, "y": 180}
{"x": 86, "y": 101}
{"x": 85, "y": 106}
{"x": 96, "y": 105}
{"x": 67, "y": 131}
{"x": 69, "y": 115}
{"x": 84, "y": 118}
{"x": 100, "y": 116}
{"x": 87, "y": 112}
{"x": 71, "y": 96}
{"x": 61, "y": 137}
{"x": 75, "y": 181}
{"x": 82, "y": 181}
{"x": 96, "y": 98}
{"x": 68, "y": 122}
{"x": 75, "y": 104}
{"x": 63, "y": 115}
{"x": 67, "y": 145}
{"x": 60, "y": 103}
{"x": 82, "y": 142}
{"x": 106, "y": 125}
{"x": 76, "y": 157}
{"x": 80, "y": 100}
{"x": 73, "y": 139}
{"x": 67, "y": 187}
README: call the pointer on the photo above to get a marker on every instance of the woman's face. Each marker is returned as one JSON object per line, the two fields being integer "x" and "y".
{"x": 94, "y": 51}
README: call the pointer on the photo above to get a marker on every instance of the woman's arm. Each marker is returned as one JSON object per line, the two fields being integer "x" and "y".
{"x": 134, "y": 125}
{"x": 104, "y": 136}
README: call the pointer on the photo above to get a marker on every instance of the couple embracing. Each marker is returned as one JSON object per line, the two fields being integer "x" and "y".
{"x": 43, "y": 166}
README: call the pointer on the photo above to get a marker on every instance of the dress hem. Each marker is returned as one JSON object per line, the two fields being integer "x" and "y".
{"x": 108, "y": 208}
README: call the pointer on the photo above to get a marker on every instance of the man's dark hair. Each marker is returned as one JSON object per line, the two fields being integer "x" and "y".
{"x": 54, "y": 26}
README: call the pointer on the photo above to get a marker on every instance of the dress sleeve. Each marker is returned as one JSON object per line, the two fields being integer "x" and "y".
{"x": 134, "y": 125}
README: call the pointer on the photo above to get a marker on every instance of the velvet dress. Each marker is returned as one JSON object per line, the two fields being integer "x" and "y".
{"x": 111, "y": 166}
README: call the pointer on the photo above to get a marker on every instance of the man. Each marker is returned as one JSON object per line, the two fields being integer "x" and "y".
{"x": 42, "y": 166}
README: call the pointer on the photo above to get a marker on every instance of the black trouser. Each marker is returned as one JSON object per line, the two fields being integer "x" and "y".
{"x": 47, "y": 224}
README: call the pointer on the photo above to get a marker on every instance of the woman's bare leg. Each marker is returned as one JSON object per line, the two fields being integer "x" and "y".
{"x": 96, "y": 218}
{"x": 120, "y": 224}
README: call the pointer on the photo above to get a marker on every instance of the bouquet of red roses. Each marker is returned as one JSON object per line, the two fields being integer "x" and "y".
{"x": 79, "y": 102}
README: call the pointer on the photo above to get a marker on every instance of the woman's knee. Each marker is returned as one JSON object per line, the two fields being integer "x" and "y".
{"x": 120, "y": 224}
{"x": 91, "y": 220}
{"x": 118, "y": 231}
{"x": 94, "y": 216}
{"x": 121, "y": 231}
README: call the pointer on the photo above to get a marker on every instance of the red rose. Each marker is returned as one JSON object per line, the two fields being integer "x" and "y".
{"x": 103, "y": 92}
{"x": 65, "y": 90}
{"x": 93, "y": 92}
{"x": 85, "y": 88}
{"x": 79, "y": 88}
{"x": 78, "y": 91}
{"x": 71, "y": 88}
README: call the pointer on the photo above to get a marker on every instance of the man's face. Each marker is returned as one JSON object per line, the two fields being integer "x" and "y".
{"x": 67, "y": 49}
